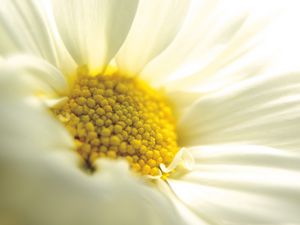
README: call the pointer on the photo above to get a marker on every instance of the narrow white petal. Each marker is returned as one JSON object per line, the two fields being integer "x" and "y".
{"x": 25, "y": 25}
{"x": 94, "y": 30}
{"x": 214, "y": 34}
{"x": 242, "y": 185}
{"x": 188, "y": 214}
{"x": 154, "y": 27}
{"x": 262, "y": 110}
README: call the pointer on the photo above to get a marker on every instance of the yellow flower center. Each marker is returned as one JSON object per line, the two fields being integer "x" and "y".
{"x": 115, "y": 116}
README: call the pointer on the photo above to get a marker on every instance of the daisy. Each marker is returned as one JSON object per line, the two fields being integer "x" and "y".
{"x": 143, "y": 112}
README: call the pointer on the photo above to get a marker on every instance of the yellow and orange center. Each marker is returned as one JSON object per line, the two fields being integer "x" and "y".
{"x": 114, "y": 116}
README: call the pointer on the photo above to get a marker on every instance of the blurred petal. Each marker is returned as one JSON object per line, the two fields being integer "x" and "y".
{"x": 26, "y": 27}
{"x": 44, "y": 190}
{"x": 41, "y": 179}
{"x": 24, "y": 82}
{"x": 261, "y": 110}
{"x": 93, "y": 31}
{"x": 214, "y": 36}
{"x": 241, "y": 185}
{"x": 154, "y": 27}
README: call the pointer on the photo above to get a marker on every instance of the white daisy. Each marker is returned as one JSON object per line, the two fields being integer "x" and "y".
{"x": 173, "y": 93}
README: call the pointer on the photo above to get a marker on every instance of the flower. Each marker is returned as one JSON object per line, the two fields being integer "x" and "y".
{"x": 237, "y": 119}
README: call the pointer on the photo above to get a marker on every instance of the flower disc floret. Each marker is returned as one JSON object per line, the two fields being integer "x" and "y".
{"x": 114, "y": 116}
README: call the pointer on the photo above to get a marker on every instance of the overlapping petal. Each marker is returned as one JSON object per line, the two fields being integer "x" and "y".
{"x": 213, "y": 36}
{"x": 93, "y": 31}
{"x": 42, "y": 182}
{"x": 247, "y": 119}
{"x": 154, "y": 27}
{"x": 26, "y": 29}
{"x": 261, "y": 110}
{"x": 240, "y": 184}
{"x": 25, "y": 120}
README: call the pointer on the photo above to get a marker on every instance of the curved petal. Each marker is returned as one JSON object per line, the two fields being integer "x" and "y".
{"x": 241, "y": 185}
{"x": 214, "y": 35}
{"x": 93, "y": 31}
{"x": 26, "y": 27}
{"x": 25, "y": 81}
{"x": 262, "y": 110}
{"x": 154, "y": 27}
{"x": 45, "y": 190}
{"x": 41, "y": 179}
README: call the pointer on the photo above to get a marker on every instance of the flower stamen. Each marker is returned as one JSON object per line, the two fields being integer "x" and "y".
{"x": 114, "y": 116}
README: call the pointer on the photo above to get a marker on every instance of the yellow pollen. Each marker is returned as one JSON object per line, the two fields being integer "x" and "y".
{"x": 115, "y": 116}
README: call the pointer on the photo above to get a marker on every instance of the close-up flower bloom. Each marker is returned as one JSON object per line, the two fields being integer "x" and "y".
{"x": 148, "y": 112}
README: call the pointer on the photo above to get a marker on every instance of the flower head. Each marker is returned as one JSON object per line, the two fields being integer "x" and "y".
{"x": 143, "y": 112}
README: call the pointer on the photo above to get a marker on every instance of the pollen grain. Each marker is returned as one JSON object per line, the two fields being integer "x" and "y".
{"x": 114, "y": 116}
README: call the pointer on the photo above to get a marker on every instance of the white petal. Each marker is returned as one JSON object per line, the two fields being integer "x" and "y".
{"x": 94, "y": 30}
{"x": 43, "y": 190}
{"x": 40, "y": 70}
{"x": 41, "y": 182}
{"x": 242, "y": 185}
{"x": 262, "y": 110}
{"x": 214, "y": 35}
{"x": 181, "y": 101}
{"x": 25, "y": 25}
{"x": 25, "y": 121}
{"x": 153, "y": 29}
